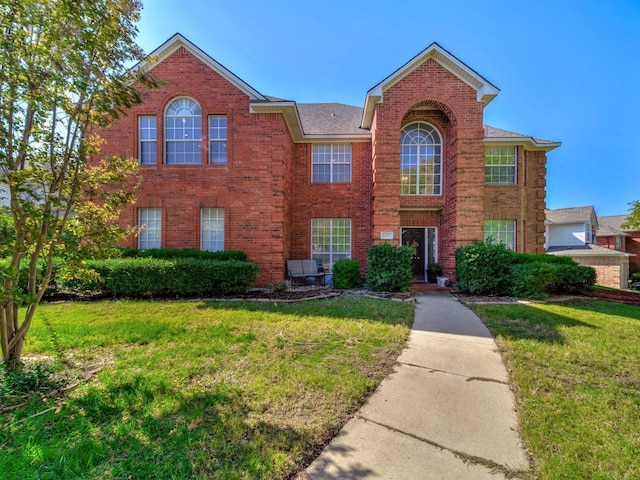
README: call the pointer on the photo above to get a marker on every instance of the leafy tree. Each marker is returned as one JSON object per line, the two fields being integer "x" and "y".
{"x": 633, "y": 219}
{"x": 64, "y": 72}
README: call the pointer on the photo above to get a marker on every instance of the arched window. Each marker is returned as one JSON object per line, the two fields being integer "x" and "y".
{"x": 183, "y": 132}
{"x": 420, "y": 160}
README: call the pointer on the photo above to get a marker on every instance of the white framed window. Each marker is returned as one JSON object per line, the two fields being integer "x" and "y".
{"x": 147, "y": 135}
{"x": 217, "y": 139}
{"x": 331, "y": 163}
{"x": 150, "y": 225}
{"x": 500, "y": 165}
{"x": 420, "y": 160}
{"x": 183, "y": 132}
{"x": 212, "y": 229}
{"x": 330, "y": 240}
{"x": 501, "y": 231}
{"x": 618, "y": 243}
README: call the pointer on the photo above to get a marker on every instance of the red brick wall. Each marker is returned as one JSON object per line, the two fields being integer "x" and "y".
{"x": 630, "y": 244}
{"x": 252, "y": 187}
{"x": 523, "y": 202}
{"x": 332, "y": 200}
{"x": 453, "y": 108}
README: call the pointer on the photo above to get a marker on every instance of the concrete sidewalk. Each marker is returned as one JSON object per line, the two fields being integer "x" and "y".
{"x": 446, "y": 413}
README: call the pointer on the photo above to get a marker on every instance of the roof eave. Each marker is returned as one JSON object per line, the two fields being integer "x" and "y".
{"x": 288, "y": 109}
{"x": 486, "y": 91}
{"x": 176, "y": 41}
{"x": 529, "y": 143}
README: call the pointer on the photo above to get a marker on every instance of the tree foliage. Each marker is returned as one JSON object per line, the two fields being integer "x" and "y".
{"x": 633, "y": 219}
{"x": 64, "y": 72}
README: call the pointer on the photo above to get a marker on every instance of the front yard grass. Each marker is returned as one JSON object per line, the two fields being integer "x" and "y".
{"x": 199, "y": 389}
{"x": 576, "y": 374}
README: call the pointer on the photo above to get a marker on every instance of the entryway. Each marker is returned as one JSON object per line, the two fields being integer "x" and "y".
{"x": 423, "y": 242}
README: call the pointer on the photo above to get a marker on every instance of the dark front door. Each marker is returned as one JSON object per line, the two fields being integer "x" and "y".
{"x": 414, "y": 238}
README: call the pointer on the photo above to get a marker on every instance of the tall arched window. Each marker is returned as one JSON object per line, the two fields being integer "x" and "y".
{"x": 183, "y": 132}
{"x": 420, "y": 160}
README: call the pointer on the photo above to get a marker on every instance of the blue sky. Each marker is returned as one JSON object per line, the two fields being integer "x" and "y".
{"x": 568, "y": 70}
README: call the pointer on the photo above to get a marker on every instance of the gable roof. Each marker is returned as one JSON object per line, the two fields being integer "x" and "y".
{"x": 612, "y": 226}
{"x": 175, "y": 42}
{"x": 486, "y": 91}
{"x": 498, "y": 135}
{"x": 562, "y": 216}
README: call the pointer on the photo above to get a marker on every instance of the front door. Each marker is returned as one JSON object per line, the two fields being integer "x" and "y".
{"x": 414, "y": 238}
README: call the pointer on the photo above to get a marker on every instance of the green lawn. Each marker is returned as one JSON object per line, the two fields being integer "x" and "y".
{"x": 576, "y": 374}
{"x": 199, "y": 390}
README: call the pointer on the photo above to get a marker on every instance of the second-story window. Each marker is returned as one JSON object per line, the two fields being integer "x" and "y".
{"x": 331, "y": 163}
{"x": 217, "y": 139}
{"x": 147, "y": 140}
{"x": 500, "y": 165}
{"x": 420, "y": 160}
{"x": 183, "y": 132}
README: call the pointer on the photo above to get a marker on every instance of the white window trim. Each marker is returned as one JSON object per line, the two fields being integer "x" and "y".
{"x": 515, "y": 165}
{"x": 141, "y": 141}
{"x": 164, "y": 129}
{"x": 141, "y": 223}
{"x": 515, "y": 233}
{"x": 202, "y": 238}
{"x": 331, "y": 253}
{"x": 331, "y": 162}
{"x": 218, "y": 140}
{"x": 410, "y": 126}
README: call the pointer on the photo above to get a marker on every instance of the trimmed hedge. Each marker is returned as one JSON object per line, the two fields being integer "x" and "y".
{"x": 182, "y": 276}
{"x": 171, "y": 253}
{"x": 389, "y": 268}
{"x": 486, "y": 268}
{"x": 346, "y": 274}
{"x": 143, "y": 277}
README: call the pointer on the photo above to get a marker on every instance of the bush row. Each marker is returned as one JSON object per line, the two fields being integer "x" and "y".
{"x": 140, "y": 277}
{"x": 487, "y": 268}
{"x": 170, "y": 253}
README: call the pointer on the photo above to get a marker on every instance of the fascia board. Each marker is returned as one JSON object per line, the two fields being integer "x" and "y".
{"x": 176, "y": 41}
{"x": 486, "y": 91}
{"x": 529, "y": 143}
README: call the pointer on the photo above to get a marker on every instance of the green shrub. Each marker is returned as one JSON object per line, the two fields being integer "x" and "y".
{"x": 170, "y": 253}
{"x": 635, "y": 277}
{"x": 346, "y": 274}
{"x": 483, "y": 268}
{"x": 542, "y": 258}
{"x": 389, "y": 268}
{"x": 182, "y": 276}
{"x": 532, "y": 278}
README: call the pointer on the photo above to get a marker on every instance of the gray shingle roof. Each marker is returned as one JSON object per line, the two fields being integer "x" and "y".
{"x": 588, "y": 250}
{"x": 330, "y": 119}
{"x": 492, "y": 132}
{"x": 612, "y": 225}
{"x": 570, "y": 215}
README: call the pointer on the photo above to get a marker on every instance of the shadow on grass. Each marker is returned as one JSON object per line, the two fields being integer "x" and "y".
{"x": 530, "y": 322}
{"x": 113, "y": 433}
{"x": 377, "y": 310}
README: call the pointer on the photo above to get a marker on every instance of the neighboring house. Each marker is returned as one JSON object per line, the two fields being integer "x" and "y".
{"x": 611, "y": 235}
{"x": 223, "y": 166}
{"x": 571, "y": 232}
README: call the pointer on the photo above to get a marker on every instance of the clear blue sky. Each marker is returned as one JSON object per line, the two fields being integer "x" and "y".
{"x": 568, "y": 70}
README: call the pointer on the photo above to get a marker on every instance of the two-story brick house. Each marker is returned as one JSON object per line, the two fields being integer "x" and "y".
{"x": 223, "y": 166}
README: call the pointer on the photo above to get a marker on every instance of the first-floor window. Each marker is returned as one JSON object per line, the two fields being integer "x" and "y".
{"x": 150, "y": 225}
{"x": 330, "y": 240}
{"x": 212, "y": 229}
{"x": 501, "y": 231}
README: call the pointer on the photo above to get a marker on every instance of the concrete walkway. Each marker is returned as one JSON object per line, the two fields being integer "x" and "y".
{"x": 446, "y": 413}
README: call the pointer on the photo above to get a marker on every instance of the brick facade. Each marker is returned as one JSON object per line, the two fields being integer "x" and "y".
{"x": 266, "y": 187}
